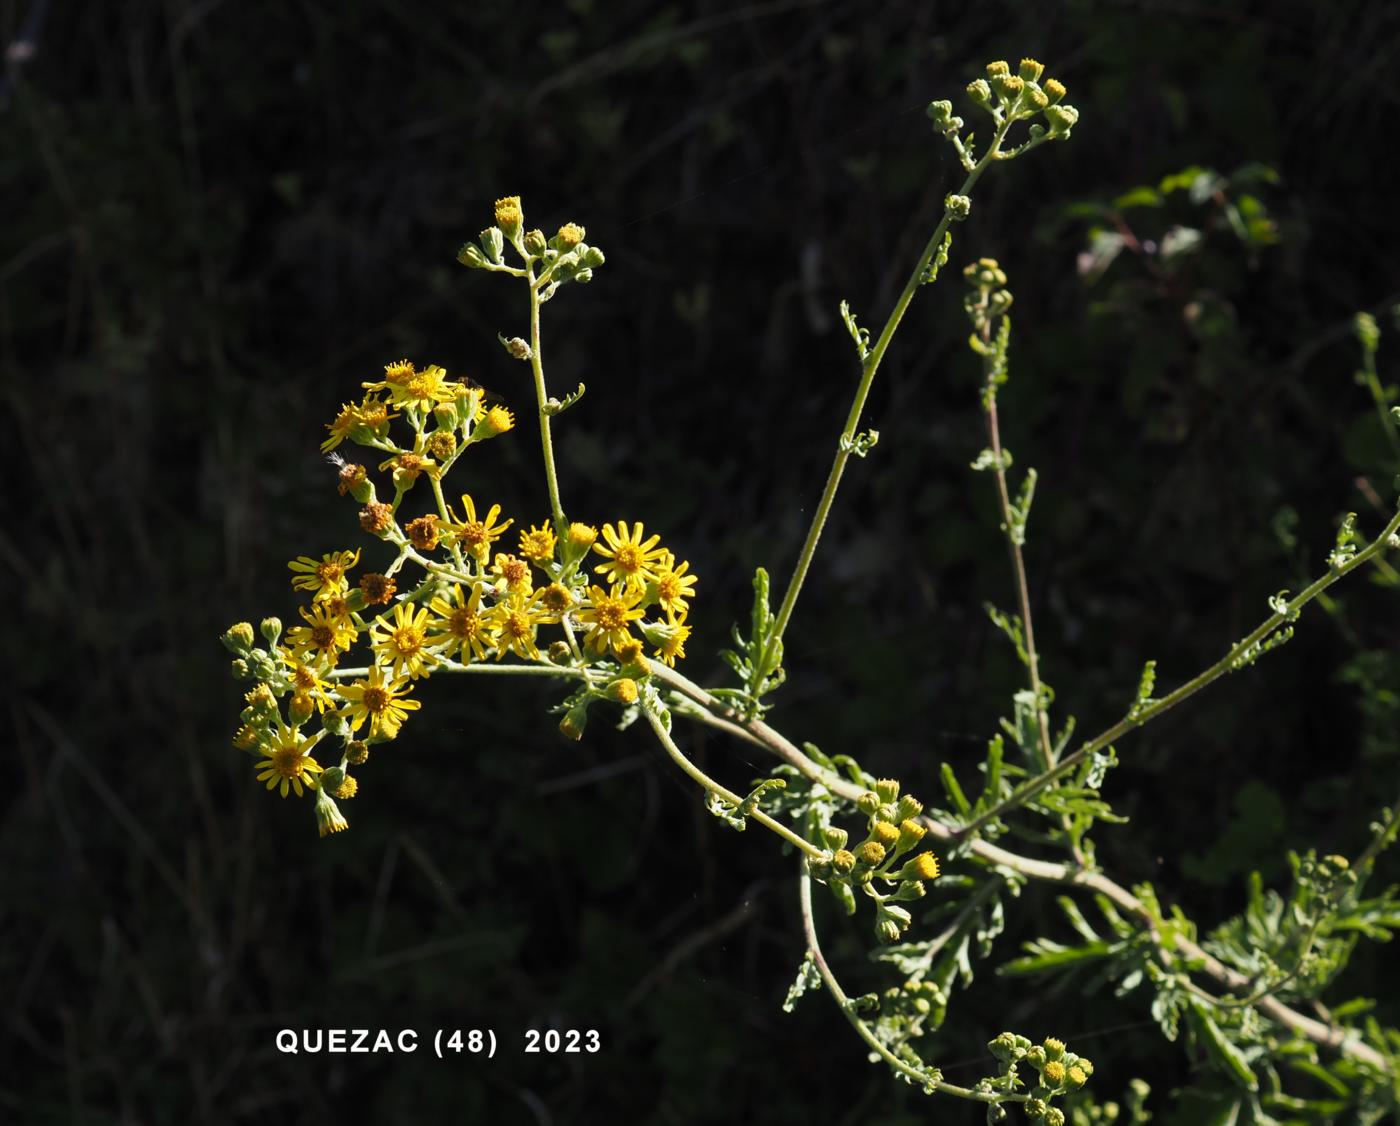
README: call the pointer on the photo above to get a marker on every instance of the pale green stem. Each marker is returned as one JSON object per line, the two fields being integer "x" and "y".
{"x": 1190, "y": 688}
{"x": 561, "y": 526}
{"x": 868, "y": 370}
{"x": 863, "y": 1030}
{"x": 709, "y": 784}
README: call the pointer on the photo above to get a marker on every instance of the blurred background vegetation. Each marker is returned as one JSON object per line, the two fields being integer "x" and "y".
{"x": 220, "y": 217}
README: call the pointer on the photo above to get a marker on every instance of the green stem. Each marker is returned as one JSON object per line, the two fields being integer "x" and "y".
{"x": 708, "y": 783}
{"x": 863, "y": 1030}
{"x": 1190, "y": 688}
{"x": 848, "y": 433}
{"x": 561, "y": 526}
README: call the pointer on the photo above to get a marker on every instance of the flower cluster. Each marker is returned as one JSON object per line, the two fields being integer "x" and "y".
{"x": 893, "y": 831}
{"x": 614, "y": 596}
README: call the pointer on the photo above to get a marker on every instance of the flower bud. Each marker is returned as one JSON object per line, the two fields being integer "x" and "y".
{"x": 1003, "y": 1047}
{"x": 1054, "y": 1049}
{"x": 887, "y": 789}
{"x": 957, "y": 207}
{"x": 868, "y": 803}
{"x": 238, "y": 638}
{"x": 623, "y": 690}
{"x": 871, "y": 854}
{"x": 921, "y": 867}
{"x": 1054, "y": 1116}
{"x": 471, "y": 256}
{"x": 1060, "y": 119}
{"x": 535, "y": 242}
{"x": 1035, "y": 1057}
{"x": 271, "y": 629}
{"x": 518, "y": 348}
{"x": 1054, "y": 90}
{"x": 495, "y": 421}
{"x": 1053, "y": 1073}
{"x": 1075, "y": 1077}
{"x": 910, "y": 834}
{"x": 329, "y": 819}
{"x": 843, "y": 861}
{"x": 241, "y": 671}
{"x": 509, "y": 215}
{"x": 909, "y": 806}
{"x": 357, "y": 753}
{"x": 885, "y": 833}
{"x": 887, "y": 931}
{"x": 331, "y": 778}
{"x": 998, "y": 69}
{"x": 299, "y": 708}
{"x": 569, "y": 236}
{"x": 1035, "y": 1108}
{"x": 834, "y": 837}
{"x": 574, "y": 721}
{"x": 591, "y": 259}
{"x": 1008, "y": 87}
{"x": 245, "y": 737}
{"x": 493, "y": 244}
{"x": 1030, "y": 70}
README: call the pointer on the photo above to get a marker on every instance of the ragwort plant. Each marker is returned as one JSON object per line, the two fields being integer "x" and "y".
{"x": 605, "y": 611}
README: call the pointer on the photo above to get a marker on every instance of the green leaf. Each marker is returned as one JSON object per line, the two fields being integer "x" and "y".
{"x": 1219, "y": 1047}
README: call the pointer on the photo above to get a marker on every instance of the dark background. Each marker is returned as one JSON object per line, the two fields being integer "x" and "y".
{"x": 219, "y": 218}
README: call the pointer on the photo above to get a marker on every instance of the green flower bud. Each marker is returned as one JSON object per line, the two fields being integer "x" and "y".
{"x": 1367, "y": 331}
{"x": 1008, "y": 87}
{"x": 980, "y": 92}
{"x": 271, "y": 629}
{"x": 871, "y": 854}
{"x": 887, "y": 931}
{"x": 834, "y": 837}
{"x": 331, "y": 779}
{"x": 1036, "y": 1057}
{"x": 299, "y": 708}
{"x": 558, "y": 652}
{"x": 241, "y": 670}
{"x": 909, "y": 806}
{"x": 843, "y": 861}
{"x": 1053, "y": 1073}
{"x": 1061, "y": 119}
{"x": 535, "y": 242}
{"x": 1054, "y": 90}
{"x": 957, "y": 207}
{"x": 509, "y": 216}
{"x": 574, "y": 721}
{"x": 329, "y": 819}
{"x": 591, "y": 258}
{"x": 940, "y": 113}
{"x": 910, "y": 890}
{"x": 1075, "y": 1077}
{"x": 1054, "y": 1049}
{"x": 493, "y": 243}
{"x": 583, "y": 277}
{"x": 910, "y": 834}
{"x": 1085, "y": 1066}
{"x": 1035, "y": 1108}
{"x": 1036, "y": 97}
{"x": 1054, "y": 1117}
{"x": 238, "y": 638}
{"x": 357, "y": 753}
{"x": 998, "y": 69}
{"x": 470, "y": 256}
{"x": 868, "y": 803}
{"x": 1003, "y": 1047}
{"x": 887, "y": 789}
{"x": 1030, "y": 70}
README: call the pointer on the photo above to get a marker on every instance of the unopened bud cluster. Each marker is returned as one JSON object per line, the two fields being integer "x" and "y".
{"x": 881, "y": 861}
{"x": 1059, "y": 1072}
{"x": 550, "y": 261}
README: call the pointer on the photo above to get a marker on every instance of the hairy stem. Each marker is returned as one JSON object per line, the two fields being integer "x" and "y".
{"x": 561, "y": 526}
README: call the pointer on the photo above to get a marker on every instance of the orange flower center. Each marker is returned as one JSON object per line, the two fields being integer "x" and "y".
{"x": 376, "y": 700}
{"x": 628, "y": 558}
{"x": 407, "y": 640}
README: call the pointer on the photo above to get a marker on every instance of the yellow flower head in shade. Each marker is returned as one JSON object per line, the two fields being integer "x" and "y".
{"x": 460, "y": 626}
{"x": 514, "y": 621}
{"x": 304, "y": 681}
{"x": 537, "y": 545}
{"x": 673, "y": 644}
{"x": 379, "y": 699}
{"x": 287, "y": 763}
{"x": 674, "y": 586}
{"x": 630, "y": 558}
{"x": 402, "y": 643}
{"x": 371, "y": 414}
{"x": 476, "y": 535}
{"x": 609, "y": 616}
{"x": 324, "y": 638}
{"x": 514, "y": 572}
{"x": 324, "y": 577}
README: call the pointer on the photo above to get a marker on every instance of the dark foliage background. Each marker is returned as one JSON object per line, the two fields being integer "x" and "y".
{"x": 220, "y": 217}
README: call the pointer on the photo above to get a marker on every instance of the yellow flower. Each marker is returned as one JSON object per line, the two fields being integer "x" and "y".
{"x": 674, "y": 644}
{"x": 674, "y": 586}
{"x": 423, "y": 389}
{"x": 460, "y": 626}
{"x": 341, "y": 425}
{"x": 555, "y": 599}
{"x": 609, "y": 615}
{"x": 305, "y": 681}
{"x": 630, "y": 559}
{"x": 371, "y": 414}
{"x": 326, "y": 576}
{"x": 403, "y": 645}
{"x": 327, "y": 635}
{"x": 516, "y": 573}
{"x": 287, "y": 763}
{"x": 537, "y": 545}
{"x": 509, "y": 215}
{"x": 383, "y": 702}
{"x": 475, "y": 535}
{"x": 514, "y": 621}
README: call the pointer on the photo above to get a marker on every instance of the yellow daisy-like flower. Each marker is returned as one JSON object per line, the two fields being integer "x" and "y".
{"x": 515, "y": 572}
{"x": 630, "y": 559}
{"x": 537, "y": 545}
{"x": 324, "y": 577}
{"x": 372, "y": 415}
{"x": 674, "y": 644}
{"x": 460, "y": 626}
{"x": 509, "y": 215}
{"x": 383, "y": 702}
{"x": 475, "y": 535}
{"x": 423, "y": 389}
{"x": 403, "y": 643}
{"x": 325, "y": 637}
{"x": 674, "y": 586}
{"x": 287, "y": 763}
{"x": 396, "y": 374}
{"x": 555, "y": 600}
{"x": 304, "y": 680}
{"x": 514, "y": 621}
{"x": 609, "y": 615}
{"x": 497, "y": 420}
{"x": 341, "y": 425}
